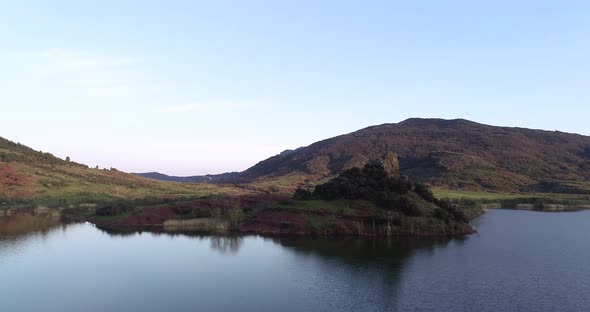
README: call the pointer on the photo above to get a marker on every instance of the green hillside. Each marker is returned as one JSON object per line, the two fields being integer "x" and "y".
{"x": 26, "y": 175}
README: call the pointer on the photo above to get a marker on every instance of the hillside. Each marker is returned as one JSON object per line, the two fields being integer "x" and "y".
{"x": 370, "y": 201}
{"x": 29, "y": 174}
{"x": 451, "y": 154}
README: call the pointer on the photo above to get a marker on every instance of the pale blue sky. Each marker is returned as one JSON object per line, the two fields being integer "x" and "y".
{"x": 189, "y": 87}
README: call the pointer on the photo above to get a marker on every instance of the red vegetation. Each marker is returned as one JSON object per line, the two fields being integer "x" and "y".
{"x": 272, "y": 221}
{"x": 156, "y": 215}
{"x": 13, "y": 183}
{"x": 265, "y": 219}
{"x": 294, "y": 222}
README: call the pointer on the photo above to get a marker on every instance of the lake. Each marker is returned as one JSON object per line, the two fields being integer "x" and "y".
{"x": 518, "y": 261}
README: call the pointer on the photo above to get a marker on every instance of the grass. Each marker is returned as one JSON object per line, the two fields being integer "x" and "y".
{"x": 63, "y": 185}
{"x": 29, "y": 176}
{"x": 321, "y": 224}
{"x": 584, "y": 186}
{"x": 481, "y": 195}
{"x": 284, "y": 184}
{"x": 511, "y": 200}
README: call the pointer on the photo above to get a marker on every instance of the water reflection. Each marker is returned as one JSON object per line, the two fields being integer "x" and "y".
{"x": 120, "y": 232}
{"x": 224, "y": 244}
{"x": 372, "y": 268}
{"x": 353, "y": 250}
{"x": 349, "y": 250}
{"x": 17, "y": 230}
{"x": 352, "y": 268}
{"x": 518, "y": 260}
{"x": 24, "y": 224}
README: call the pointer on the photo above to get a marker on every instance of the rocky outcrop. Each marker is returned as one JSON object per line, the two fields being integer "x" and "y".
{"x": 391, "y": 165}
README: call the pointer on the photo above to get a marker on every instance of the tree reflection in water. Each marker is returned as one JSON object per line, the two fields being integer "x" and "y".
{"x": 375, "y": 266}
{"x": 224, "y": 244}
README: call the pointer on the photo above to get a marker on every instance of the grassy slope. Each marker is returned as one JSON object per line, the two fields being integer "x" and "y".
{"x": 27, "y": 175}
{"x": 285, "y": 184}
{"x": 64, "y": 188}
{"x": 510, "y": 200}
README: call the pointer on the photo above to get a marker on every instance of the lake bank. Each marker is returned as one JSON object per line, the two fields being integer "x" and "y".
{"x": 269, "y": 214}
{"x": 277, "y": 216}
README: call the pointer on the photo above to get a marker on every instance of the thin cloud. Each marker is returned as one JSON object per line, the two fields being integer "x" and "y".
{"x": 86, "y": 72}
{"x": 206, "y": 107}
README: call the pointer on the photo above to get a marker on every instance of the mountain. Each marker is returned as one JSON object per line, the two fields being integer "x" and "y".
{"x": 453, "y": 154}
{"x": 27, "y": 174}
{"x": 212, "y": 178}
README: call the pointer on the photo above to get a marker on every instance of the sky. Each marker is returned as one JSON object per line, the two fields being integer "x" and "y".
{"x": 196, "y": 87}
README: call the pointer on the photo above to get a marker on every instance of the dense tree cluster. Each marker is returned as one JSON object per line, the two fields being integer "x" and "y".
{"x": 374, "y": 184}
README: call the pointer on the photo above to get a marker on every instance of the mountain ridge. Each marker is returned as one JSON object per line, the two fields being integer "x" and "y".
{"x": 211, "y": 178}
{"x": 456, "y": 154}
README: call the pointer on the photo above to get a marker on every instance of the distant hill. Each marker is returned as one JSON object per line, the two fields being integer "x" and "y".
{"x": 26, "y": 173}
{"x": 213, "y": 178}
{"x": 455, "y": 154}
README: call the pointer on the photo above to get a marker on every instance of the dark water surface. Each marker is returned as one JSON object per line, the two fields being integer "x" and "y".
{"x": 519, "y": 261}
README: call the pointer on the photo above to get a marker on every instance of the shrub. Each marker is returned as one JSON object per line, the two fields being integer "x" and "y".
{"x": 424, "y": 192}
{"x": 114, "y": 209}
{"x": 369, "y": 183}
{"x": 302, "y": 194}
{"x": 410, "y": 209}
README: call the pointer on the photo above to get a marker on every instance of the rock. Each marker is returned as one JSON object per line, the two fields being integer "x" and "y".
{"x": 391, "y": 164}
{"x": 525, "y": 206}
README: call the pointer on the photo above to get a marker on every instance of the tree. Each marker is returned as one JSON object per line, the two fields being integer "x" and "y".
{"x": 424, "y": 192}
{"x": 302, "y": 194}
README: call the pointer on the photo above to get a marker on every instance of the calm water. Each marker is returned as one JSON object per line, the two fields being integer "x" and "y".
{"x": 519, "y": 261}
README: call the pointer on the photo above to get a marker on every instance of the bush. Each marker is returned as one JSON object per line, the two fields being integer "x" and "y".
{"x": 450, "y": 210}
{"x": 302, "y": 194}
{"x": 114, "y": 209}
{"x": 369, "y": 183}
{"x": 389, "y": 192}
{"x": 424, "y": 192}
{"x": 410, "y": 209}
